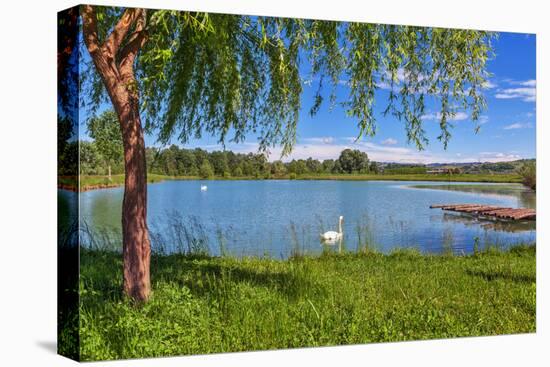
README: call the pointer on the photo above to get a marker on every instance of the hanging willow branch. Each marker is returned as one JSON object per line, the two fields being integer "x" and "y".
{"x": 230, "y": 75}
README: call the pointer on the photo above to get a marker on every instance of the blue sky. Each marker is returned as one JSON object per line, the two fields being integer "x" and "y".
{"x": 508, "y": 126}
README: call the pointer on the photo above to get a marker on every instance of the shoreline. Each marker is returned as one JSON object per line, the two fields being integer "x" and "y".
{"x": 487, "y": 249}
{"x": 88, "y": 183}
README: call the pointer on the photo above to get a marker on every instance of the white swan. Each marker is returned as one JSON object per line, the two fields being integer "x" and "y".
{"x": 332, "y": 235}
{"x": 204, "y": 187}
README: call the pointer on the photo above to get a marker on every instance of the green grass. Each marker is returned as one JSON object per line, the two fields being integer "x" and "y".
{"x": 206, "y": 304}
{"x": 464, "y": 177}
{"x": 116, "y": 180}
{"x": 97, "y": 182}
{"x": 90, "y": 182}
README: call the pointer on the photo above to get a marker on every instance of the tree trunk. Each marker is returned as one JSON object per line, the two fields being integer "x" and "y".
{"x": 136, "y": 246}
{"x": 115, "y": 66}
{"x": 110, "y": 173}
{"x": 135, "y": 234}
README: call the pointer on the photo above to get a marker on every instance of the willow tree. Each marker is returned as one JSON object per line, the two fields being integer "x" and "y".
{"x": 185, "y": 74}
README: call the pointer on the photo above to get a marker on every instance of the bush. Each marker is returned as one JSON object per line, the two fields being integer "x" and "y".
{"x": 206, "y": 170}
{"x": 238, "y": 172}
{"x": 528, "y": 173}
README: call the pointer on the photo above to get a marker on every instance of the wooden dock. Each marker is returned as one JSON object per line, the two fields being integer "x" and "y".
{"x": 490, "y": 211}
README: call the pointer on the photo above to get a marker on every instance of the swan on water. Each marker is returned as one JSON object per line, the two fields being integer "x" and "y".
{"x": 204, "y": 187}
{"x": 332, "y": 235}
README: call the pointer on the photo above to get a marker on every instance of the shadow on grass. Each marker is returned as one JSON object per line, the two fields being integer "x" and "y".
{"x": 212, "y": 275}
{"x": 496, "y": 275}
{"x": 100, "y": 276}
{"x": 203, "y": 275}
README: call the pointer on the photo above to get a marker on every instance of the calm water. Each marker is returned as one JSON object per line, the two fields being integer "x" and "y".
{"x": 275, "y": 218}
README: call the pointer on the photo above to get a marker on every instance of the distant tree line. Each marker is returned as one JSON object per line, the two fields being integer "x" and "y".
{"x": 96, "y": 158}
{"x": 104, "y": 155}
{"x": 176, "y": 161}
{"x": 496, "y": 167}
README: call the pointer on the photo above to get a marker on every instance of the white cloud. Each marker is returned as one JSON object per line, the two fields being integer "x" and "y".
{"x": 525, "y": 94}
{"x": 384, "y": 153}
{"x": 483, "y": 119}
{"x": 323, "y": 139}
{"x": 389, "y": 141}
{"x": 489, "y": 85}
{"x": 376, "y": 152}
{"x": 526, "y": 83}
{"x": 498, "y": 157}
{"x": 518, "y": 125}
{"x": 458, "y": 116}
{"x": 526, "y": 91}
{"x": 401, "y": 77}
{"x": 350, "y": 139}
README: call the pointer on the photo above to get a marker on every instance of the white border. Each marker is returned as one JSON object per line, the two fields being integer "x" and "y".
{"x": 28, "y": 181}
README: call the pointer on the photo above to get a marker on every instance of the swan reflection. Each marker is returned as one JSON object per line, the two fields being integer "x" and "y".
{"x": 332, "y": 243}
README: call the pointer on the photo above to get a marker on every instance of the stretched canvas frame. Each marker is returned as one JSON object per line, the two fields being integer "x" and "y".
{"x": 73, "y": 286}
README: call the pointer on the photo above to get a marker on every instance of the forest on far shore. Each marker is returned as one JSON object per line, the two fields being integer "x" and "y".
{"x": 176, "y": 161}
{"x": 104, "y": 155}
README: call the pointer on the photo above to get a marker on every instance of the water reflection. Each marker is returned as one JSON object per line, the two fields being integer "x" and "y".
{"x": 487, "y": 224}
{"x": 331, "y": 245}
{"x": 282, "y": 218}
{"x": 526, "y": 198}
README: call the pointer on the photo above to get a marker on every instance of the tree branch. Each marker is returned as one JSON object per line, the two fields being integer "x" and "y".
{"x": 113, "y": 42}
{"x": 104, "y": 63}
{"x": 89, "y": 28}
{"x": 135, "y": 42}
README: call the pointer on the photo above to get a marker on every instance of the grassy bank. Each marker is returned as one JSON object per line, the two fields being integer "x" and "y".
{"x": 98, "y": 182}
{"x": 101, "y": 182}
{"x": 217, "y": 304}
{"x": 465, "y": 177}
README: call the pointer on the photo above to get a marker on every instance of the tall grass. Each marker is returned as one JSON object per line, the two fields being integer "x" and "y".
{"x": 210, "y": 304}
{"x": 365, "y": 235}
{"x": 174, "y": 232}
{"x": 203, "y": 304}
{"x": 448, "y": 241}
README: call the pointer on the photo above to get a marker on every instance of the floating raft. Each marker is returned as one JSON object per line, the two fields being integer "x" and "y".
{"x": 490, "y": 211}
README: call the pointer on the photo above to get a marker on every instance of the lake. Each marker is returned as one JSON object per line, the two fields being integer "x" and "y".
{"x": 279, "y": 217}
